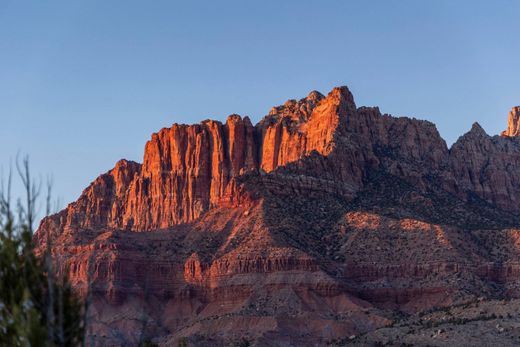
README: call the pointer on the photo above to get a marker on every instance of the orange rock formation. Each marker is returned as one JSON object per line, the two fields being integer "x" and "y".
{"x": 320, "y": 222}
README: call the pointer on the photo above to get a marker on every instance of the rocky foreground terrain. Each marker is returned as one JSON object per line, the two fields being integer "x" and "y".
{"x": 323, "y": 224}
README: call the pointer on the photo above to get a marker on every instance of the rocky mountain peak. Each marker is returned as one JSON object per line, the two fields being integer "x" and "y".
{"x": 476, "y": 129}
{"x": 315, "y": 96}
{"x": 342, "y": 93}
{"x": 188, "y": 169}
{"x": 322, "y": 212}
{"x": 513, "y": 123}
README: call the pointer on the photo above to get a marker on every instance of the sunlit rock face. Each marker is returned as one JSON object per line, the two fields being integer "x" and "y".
{"x": 322, "y": 221}
{"x": 187, "y": 169}
{"x": 513, "y": 123}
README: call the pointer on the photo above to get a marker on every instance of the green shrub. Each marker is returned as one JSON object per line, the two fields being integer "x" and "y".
{"x": 36, "y": 307}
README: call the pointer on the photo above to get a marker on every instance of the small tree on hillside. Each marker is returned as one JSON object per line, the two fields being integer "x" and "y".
{"x": 36, "y": 307}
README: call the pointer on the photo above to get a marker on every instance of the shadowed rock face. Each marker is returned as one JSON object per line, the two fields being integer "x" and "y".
{"x": 322, "y": 221}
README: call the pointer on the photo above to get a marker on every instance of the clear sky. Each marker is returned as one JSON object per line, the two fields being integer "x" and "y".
{"x": 85, "y": 83}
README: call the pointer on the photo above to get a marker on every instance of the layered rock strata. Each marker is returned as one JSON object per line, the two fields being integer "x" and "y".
{"x": 322, "y": 221}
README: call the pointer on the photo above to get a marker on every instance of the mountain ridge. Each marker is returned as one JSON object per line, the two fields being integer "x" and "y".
{"x": 321, "y": 221}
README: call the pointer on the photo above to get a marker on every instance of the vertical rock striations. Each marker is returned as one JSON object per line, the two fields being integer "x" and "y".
{"x": 297, "y": 128}
{"x": 513, "y": 123}
{"x": 188, "y": 169}
{"x": 320, "y": 222}
{"x": 488, "y": 167}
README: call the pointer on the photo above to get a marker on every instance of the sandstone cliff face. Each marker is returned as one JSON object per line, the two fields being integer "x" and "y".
{"x": 187, "y": 169}
{"x": 320, "y": 222}
{"x": 100, "y": 205}
{"x": 488, "y": 167}
{"x": 408, "y": 148}
{"x": 513, "y": 123}
{"x": 299, "y": 127}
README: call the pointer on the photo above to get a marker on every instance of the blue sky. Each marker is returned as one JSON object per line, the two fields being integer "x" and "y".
{"x": 85, "y": 83}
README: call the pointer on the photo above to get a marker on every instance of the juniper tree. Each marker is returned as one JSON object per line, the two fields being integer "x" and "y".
{"x": 37, "y": 308}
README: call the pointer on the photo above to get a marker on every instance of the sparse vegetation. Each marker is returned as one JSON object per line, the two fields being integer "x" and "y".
{"x": 37, "y": 308}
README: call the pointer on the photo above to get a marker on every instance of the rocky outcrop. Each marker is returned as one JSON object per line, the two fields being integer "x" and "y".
{"x": 297, "y": 128}
{"x": 488, "y": 167}
{"x": 100, "y": 205}
{"x": 513, "y": 123}
{"x": 321, "y": 221}
{"x": 187, "y": 169}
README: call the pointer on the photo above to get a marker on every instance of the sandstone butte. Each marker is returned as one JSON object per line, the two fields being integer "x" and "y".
{"x": 324, "y": 221}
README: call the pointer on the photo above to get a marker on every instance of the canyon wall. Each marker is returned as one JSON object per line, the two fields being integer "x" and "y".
{"x": 323, "y": 213}
{"x": 187, "y": 169}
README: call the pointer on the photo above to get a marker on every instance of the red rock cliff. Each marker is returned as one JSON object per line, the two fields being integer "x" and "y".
{"x": 322, "y": 215}
{"x": 513, "y": 123}
{"x": 188, "y": 169}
